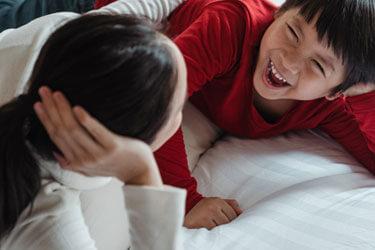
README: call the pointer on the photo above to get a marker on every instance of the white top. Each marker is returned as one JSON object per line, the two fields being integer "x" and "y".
{"x": 19, "y": 48}
{"x": 56, "y": 222}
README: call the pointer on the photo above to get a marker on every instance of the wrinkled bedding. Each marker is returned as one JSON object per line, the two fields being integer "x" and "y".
{"x": 298, "y": 191}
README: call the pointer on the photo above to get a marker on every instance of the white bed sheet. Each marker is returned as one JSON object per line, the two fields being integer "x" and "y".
{"x": 298, "y": 191}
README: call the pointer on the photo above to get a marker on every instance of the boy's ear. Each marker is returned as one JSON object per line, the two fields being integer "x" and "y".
{"x": 359, "y": 89}
{"x": 277, "y": 14}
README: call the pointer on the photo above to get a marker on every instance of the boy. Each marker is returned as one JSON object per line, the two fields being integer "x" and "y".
{"x": 257, "y": 72}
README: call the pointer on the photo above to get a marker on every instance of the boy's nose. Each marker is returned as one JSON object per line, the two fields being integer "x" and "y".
{"x": 291, "y": 62}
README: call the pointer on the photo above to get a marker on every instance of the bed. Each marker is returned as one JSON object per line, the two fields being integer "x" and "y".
{"x": 299, "y": 190}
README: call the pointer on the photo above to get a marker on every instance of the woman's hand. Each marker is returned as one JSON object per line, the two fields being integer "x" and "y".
{"x": 90, "y": 148}
{"x": 360, "y": 89}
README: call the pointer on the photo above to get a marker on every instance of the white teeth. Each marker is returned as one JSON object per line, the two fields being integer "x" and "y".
{"x": 276, "y": 73}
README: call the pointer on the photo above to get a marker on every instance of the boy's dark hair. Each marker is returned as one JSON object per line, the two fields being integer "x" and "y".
{"x": 349, "y": 27}
{"x": 119, "y": 68}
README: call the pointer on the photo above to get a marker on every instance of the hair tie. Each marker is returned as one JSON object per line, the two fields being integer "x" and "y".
{"x": 23, "y": 109}
{"x": 23, "y": 103}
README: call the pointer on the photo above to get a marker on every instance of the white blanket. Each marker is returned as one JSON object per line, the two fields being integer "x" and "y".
{"x": 298, "y": 191}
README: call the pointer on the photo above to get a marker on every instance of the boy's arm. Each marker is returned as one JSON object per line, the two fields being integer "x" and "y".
{"x": 353, "y": 126}
{"x": 212, "y": 42}
{"x": 155, "y": 10}
{"x": 210, "y": 46}
{"x": 200, "y": 212}
{"x": 174, "y": 170}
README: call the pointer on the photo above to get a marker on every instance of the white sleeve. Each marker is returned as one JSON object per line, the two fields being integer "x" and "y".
{"x": 155, "y": 10}
{"x": 155, "y": 217}
{"x": 56, "y": 222}
{"x": 19, "y": 49}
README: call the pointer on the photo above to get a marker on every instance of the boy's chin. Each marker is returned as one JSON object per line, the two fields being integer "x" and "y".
{"x": 263, "y": 93}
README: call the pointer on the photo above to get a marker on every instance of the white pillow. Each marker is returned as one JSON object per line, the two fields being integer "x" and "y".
{"x": 298, "y": 191}
{"x": 199, "y": 133}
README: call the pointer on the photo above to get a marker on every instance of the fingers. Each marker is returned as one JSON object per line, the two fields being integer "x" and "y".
{"x": 57, "y": 131}
{"x": 61, "y": 160}
{"x": 223, "y": 213}
{"x": 56, "y": 115}
{"x": 211, "y": 212}
{"x": 72, "y": 126}
{"x": 229, "y": 212}
{"x": 221, "y": 218}
{"x": 205, "y": 222}
{"x": 49, "y": 105}
{"x": 100, "y": 133}
{"x": 210, "y": 224}
{"x": 46, "y": 122}
{"x": 236, "y": 207}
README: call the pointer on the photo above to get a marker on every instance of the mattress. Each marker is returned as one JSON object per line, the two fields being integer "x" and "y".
{"x": 298, "y": 191}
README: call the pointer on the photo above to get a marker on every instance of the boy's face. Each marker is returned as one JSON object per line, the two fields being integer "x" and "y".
{"x": 293, "y": 63}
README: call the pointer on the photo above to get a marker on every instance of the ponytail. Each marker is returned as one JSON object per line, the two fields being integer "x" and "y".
{"x": 19, "y": 172}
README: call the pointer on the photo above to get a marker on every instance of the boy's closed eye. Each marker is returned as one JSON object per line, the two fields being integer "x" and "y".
{"x": 319, "y": 66}
{"x": 293, "y": 32}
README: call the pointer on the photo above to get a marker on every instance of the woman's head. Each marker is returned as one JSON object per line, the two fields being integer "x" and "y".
{"x": 119, "y": 68}
{"x": 317, "y": 48}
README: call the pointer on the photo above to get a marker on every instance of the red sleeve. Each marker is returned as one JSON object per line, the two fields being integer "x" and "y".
{"x": 173, "y": 166}
{"x": 212, "y": 43}
{"x": 209, "y": 34}
{"x": 101, "y": 3}
{"x": 353, "y": 126}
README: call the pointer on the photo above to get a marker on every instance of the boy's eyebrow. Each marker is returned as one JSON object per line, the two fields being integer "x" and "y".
{"x": 297, "y": 23}
{"x": 329, "y": 60}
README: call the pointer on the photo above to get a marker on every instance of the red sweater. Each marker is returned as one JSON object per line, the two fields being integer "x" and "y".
{"x": 219, "y": 40}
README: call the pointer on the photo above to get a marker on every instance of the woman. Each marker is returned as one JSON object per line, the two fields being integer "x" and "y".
{"x": 140, "y": 94}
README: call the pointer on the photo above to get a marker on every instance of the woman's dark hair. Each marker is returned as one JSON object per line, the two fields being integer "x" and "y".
{"x": 119, "y": 68}
{"x": 349, "y": 27}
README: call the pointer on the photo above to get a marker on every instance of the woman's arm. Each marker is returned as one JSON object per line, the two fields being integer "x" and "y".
{"x": 24, "y": 50}
{"x": 56, "y": 222}
{"x": 151, "y": 206}
{"x": 155, "y": 216}
{"x": 155, "y": 10}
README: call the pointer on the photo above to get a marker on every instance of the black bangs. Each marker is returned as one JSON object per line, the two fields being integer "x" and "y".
{"x": 348, "y": 26}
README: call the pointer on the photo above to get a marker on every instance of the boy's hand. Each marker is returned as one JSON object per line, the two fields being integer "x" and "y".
{"x": 360, "y": 89}
{"x": 211, "y": 212}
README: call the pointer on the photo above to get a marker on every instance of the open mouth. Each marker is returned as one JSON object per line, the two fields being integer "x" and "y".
{"x": 274, "y": 78}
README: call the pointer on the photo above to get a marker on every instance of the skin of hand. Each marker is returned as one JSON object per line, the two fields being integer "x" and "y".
{"x": 360, "y": 89}
{"x": 89, "y": 148}
{"x": 211, "y": 212}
